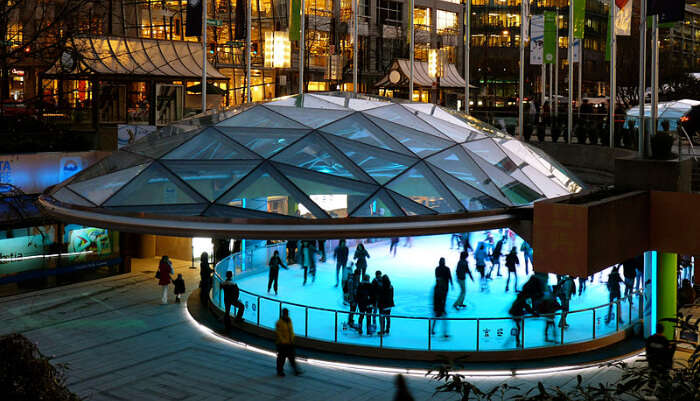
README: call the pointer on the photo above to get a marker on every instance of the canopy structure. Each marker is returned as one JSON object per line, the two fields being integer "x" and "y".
{"x": 134, "y": 56}
{"x": 668, "y": 111}
{"x": 331, "y": 156}
{"x": 421, "y": 78}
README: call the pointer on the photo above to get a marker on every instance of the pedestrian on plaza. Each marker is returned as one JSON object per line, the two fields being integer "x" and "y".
{"x": 164, "y": 276}
{"x": 526, "y": 249}
{"x": 566, "y": 288}
{"x": 321, "y": 248}
{"x": 630, "y": 271}
{"x": 352, "y": 285}
{"x": 659, "y": 355}
{"x": 179, "y": 284}
{"x": 511, "y": 262}
{"x": 361, "y": 257}
{"x": 231, "y": 295}
{"x": 393, "y": 245}
{"x": 496, "y": 258}
{"x": 385, "y": 303}
{"x": 340, "y": 254}
{"x": 376, "y": 292}
{"x": 365, "y": 300}
{"x": 275, "y": 264}
{"x": 442, "y": 278}
{"x": 614, "y": 281}
{"x": 480, "y": 256}
{"x": 519, "y": 309}
{"x": 285, "y": 343}
{"x": 461, "y": 273}
{"x": 204, "y": 278}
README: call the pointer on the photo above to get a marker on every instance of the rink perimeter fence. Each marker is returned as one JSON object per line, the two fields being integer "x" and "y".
{"x": 467, "y": 334}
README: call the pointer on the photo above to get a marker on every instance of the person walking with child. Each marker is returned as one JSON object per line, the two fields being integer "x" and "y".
{"x": 164, "y": 276}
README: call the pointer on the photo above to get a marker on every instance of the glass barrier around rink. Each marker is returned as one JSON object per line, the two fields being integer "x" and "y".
{"x": 428, "y": 333}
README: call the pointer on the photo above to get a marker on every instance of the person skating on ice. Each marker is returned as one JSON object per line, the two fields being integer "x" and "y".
{"x": 496, "y": 258}
{"x": 526, "y": 249}
{"x": 352, "y": 286}
{"x": 518, "y": 309}
{"x": 442, "y": 278}
{"x": 461, "y": 273}
{"x": 365, "y": 300}
{"x": 393, "y": 245}
{"x": 565, "y": 289}
{"x": 614, "y": 294}
{"x": 376, "y": 291}
{"x": 480, "y": 257}
{"x": 511, "y": 262}
{"x": 275, "y": 264}
{"x": 385, "y": 303}
{"x": 340, "y": 254}
{"x": 361, "y": 256}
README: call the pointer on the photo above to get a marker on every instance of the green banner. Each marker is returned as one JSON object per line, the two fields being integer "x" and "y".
{"x": 550, "y": 36}
{"x": 295, "y": 20}
{"x": 579, "y": 18}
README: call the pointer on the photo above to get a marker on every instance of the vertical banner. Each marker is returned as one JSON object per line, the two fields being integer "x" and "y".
{"x": 579, "y": 18}
{"x": 577, "y": 51}
{"x": 623, "y": 17}
{"x": 526, "y": 15}
{"x": 193, "y": 24}
{"x": 550, "y": 36}
{"x": 295, "y": 20}
{"x": 536, "y": 39}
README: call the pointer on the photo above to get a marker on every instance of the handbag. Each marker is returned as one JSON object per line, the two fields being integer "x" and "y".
{"x": 158, "y": 274}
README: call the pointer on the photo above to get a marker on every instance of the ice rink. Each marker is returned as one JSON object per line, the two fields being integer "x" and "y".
{"x": 412, "y": 273}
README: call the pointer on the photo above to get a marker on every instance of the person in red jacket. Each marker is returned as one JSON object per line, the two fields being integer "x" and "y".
{"x": 165, "y": 270}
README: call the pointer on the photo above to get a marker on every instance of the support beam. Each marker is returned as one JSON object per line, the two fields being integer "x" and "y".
{"x": 666, "y": 294}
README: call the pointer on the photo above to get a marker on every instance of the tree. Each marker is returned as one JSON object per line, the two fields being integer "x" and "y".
{"x": 34, "y": 33}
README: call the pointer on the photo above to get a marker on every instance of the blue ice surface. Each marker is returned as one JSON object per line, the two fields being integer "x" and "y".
{"x": 412, "y": 273}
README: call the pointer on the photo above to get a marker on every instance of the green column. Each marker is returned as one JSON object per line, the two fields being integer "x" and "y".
{"x": 666, "y": 293}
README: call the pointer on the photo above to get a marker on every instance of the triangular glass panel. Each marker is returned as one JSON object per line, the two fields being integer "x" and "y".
{"x": 398, "y": 114}
{"x": 440, "y": 113}
{"x": 237, "y": 212}
{"x": 211, "y": 178}
{"x": 418, "y": 142}
{"x": 116, "y": 161}
{"x": 521, "y": 177}
{"x": 381, "y": 165}
{"x": 379, "y": 205}
{"x": 426, "y": 108}
{"x": 185, "y": 209}
{"x": 318, "y": 102}
{"x": 421, "y": 185}
{"x": 336, "y": 100}
{"x": 264, "y": 141}
{"x": 154, "y": 186}
{"x": 358, "y": 127}
{"x": 313, "y": 118}
{"x": 337, "y": 196}
{"x": 547, "y": 184}
{"x": 454, "y": 132}
{"x": 65, "y": 195}
{"x": 492, "y": 153}
{"x": 460, "y": 165}
{"x": 409, "y": 207}
{"x": 471, "y": 198}
{"x": 154, "y": 146}
{"x": 314, "y": 153}
{"x": 264, "y": 192}
{"x": 259, "y": 117}
{"x": 99, "y": 189}
{"x": 517, "y": 192}
{"x": 210, "y": 145}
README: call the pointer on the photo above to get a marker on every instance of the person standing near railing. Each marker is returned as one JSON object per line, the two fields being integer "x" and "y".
{"x": 204, "y": 278}
{"x": 630, "y": 272}
{"x": 461, "y": 273}
{"x": 385, "y": 303}
{"x": 231, "y": 294}
{"x": 340, "y": 254}
{"x": 275, "y": 263}
{"x": 565, "y": 289}
{"x": 519, "y": 308}
{"x": 352, "y": 284}
{"x": 442, "y": 278}
{"x": 365, "y": 300}
{"x": 614, "y": 291}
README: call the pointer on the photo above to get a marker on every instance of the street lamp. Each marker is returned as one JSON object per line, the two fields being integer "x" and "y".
{"x": 278, "y": 50}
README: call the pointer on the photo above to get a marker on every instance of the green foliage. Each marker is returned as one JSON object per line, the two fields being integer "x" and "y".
{"x": 27, "y": 375}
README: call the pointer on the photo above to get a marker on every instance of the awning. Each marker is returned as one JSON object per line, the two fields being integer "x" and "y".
{"x": 134, "y": 56}
{"x": 452, "y": 78}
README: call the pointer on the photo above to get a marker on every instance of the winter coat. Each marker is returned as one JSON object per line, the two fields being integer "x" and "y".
{"x": 443, "y": 276}
{"x": 497, "y": 249}
{"x": 511, "y": 261}
{"x": 231, "y": 291}
{"x": 365, "y": 295}
{"x": 179, "y": 286}
{"x": 284, "y": 331}
{"x": 480, "y": 256}
{"x": 352, "y": 285}
{"x": 462, "y": 270}
{"x": 341, "y": 254}
{"x": 361, "y": 255}
{"x": 275, "y": 263}
{"x": 165, "y": 271}
{"x": 386, "y": 297}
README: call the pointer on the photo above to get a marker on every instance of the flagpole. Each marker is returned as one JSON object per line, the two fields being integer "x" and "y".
{"x": 467, "y": 49}
{"x": 556, "y": 66}
{"x": 354, "y": 46}
{"x": 412, "y": 52}
{"x": 248, "y": 96}
{"x": 613, "y": 73}
{"x": 204, "y": 56}
{"x": 654, "y": 75}
{"x": 551, "y": 91}
{"x": 521, "y": 78}
{"x": 544, "y": 85}
{"x": 642, "y": 75}
{"x": 301, "y": 48}
{"x": 580, "y": 74}
{"x": 570, "y": 58}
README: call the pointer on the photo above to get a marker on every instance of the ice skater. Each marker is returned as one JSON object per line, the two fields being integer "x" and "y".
{"x": 352, "y": 285}
{"x": 519, "y": 309}
{"x": 361, "y": 256}
{"x": 275, "y": 264}
{"x": 526, "y": 249}
{"x": 630, "y": 272}
{"x": 480, "y": 257}
{"x": 547, "y": 307}
{"x": 308, "y": 254}
{"x": 442, "y": 278}
{"x": 365, "y": 300}
{"x": 511, "y": 262}
{"x": 340, "y": 254}
{"x": 386, "y": 302}
{"x": 231, "y": 295}
{"x": 566, "y": 288}
{"x": 409, "y": 242}
{"x": 455, "y": 239}
{"x": 291, "y": 251}
{"x": 581, "y": 285}
{"x": 614, "y": 294}
{"x": 461, "y": 273}
{"x": 321, "y": 249}
{"x": 393, "y": 245}
{"x": 496, "y": 258}
{"x": 376, "y": 292}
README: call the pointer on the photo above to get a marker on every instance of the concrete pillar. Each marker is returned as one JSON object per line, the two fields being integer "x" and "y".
{"x": 667, "y": 290}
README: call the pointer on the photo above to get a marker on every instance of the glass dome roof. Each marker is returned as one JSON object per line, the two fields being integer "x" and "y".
{"x": 329, "y": 155}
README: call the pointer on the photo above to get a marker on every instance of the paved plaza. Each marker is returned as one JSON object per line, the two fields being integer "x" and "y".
{"x": 121, "y": 344}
